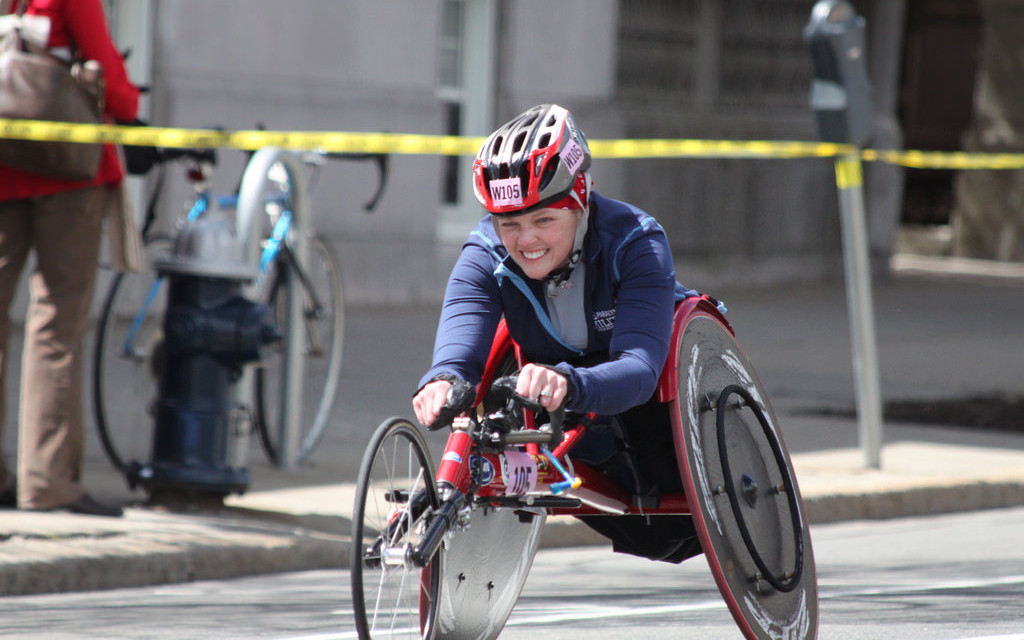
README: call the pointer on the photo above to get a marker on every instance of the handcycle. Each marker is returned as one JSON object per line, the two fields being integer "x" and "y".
{"x": 128, "y": 339}
{"x": 445, "y": 554}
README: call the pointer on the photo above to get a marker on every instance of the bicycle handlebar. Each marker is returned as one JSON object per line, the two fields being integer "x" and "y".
{"x": 462, "y": 394}
{"x": 383, "y": 162}
{"x": 164, "y": 154}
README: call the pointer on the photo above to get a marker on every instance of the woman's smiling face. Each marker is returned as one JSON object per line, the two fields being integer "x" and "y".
{"x": 540, "y": 241}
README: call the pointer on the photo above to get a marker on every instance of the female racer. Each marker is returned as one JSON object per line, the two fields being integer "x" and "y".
{"x": 587, "y": 287}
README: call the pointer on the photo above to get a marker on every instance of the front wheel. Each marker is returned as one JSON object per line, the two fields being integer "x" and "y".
{"x": 395, "y": 498}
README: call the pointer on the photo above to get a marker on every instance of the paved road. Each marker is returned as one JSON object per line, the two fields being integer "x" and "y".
{"x": 954, "y": 577}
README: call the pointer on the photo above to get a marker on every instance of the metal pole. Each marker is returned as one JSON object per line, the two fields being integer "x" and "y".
{"x": 850, "y": 184}
{"x": 250, "y": 206}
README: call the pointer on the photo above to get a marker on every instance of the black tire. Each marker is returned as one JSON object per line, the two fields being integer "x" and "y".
{"x": 742, "y": 490}
{"x": 322, "y": 349}
{"x": 126, "y": 362}
{"x": 395, "y": 495}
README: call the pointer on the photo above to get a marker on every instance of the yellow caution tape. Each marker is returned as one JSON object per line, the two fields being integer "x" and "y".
{"x": 848, "y": 172}
{"x": 946, "y": 160}
{"x": 419, "y": 144}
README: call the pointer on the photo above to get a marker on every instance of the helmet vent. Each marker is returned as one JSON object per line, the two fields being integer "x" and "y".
{"x": 551, "y": 121}
{"x": 549, "y": 173}
{"x": 517, "y": 146}
{"x": 545, "y": 140}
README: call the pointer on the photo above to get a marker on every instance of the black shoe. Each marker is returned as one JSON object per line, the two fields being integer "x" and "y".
{"x": 9, "y": 497}
{"x": 87, "y": 505}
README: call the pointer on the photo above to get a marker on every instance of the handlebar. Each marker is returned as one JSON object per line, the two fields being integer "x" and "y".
{"x": 382, "y": 160}
{"x": 197, "y": 155}
{"x": 503, "y": 423}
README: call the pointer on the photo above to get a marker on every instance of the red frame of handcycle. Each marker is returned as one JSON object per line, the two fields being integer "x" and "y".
{"x": 455, "y": 469}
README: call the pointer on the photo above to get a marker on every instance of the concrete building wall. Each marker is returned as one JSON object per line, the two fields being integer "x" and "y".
{"x": 733, "y": 69}
{"x": 319, "y": 65}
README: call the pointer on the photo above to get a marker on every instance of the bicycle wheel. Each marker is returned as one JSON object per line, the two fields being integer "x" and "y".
{"x": 485, "y": 568}
{"x": 322, "y": 333}
{"x": 126, "y": 361}
{"x": 395, "y": 496}
{"x": 741, "y": 487}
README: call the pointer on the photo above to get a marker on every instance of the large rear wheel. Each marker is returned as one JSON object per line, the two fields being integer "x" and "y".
{"x": 741, "y": 487}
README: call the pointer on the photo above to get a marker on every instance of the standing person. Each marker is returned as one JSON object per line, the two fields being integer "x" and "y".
{"x": 61, "y": 222}
{"x": 587, "y": 287}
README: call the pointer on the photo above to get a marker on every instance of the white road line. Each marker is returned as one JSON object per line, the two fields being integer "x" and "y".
{"x": 588, "y": 612}
{"x": 923, "y": 588}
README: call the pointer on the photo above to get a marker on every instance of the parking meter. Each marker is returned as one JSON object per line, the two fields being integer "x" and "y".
{"x": 840, "y": 91}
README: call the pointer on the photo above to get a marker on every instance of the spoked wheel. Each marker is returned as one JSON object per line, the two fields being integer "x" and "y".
{"x": 741, "y": 487}
{"x": 320, "y": 336}
{"x": 395, "y": 497}
{"x": 126, "y": 361}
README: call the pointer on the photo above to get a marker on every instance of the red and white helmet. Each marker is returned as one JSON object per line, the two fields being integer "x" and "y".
{"x": 532, "y": 161}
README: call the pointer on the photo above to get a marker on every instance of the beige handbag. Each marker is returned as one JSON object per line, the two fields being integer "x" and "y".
{"x": 35, "y": 85}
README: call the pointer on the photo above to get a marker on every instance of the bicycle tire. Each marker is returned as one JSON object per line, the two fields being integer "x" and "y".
{"x": 323, "y": 343}
{"x": 395, "y": 495}
{"x": 125, "y": 382}
{"x": 741, "y": 488}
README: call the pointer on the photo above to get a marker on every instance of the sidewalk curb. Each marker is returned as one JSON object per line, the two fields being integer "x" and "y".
{"x": 915, "y": 501}
{"x": 143, "y": 551}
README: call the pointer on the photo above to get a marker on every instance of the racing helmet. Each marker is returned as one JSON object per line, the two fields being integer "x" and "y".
{"x": 532, "y": 161}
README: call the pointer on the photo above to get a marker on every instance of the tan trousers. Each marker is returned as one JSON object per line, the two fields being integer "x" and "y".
{"x": 64, "y": 231}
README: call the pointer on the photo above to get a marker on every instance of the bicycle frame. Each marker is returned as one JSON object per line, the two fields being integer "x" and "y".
{"x": 199, "y": 207}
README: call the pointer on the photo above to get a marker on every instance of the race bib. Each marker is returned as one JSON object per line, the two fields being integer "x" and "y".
{"x": 519, "y": 472}
{"x": 506, "y": 191}
{"x": 572, "y": 156}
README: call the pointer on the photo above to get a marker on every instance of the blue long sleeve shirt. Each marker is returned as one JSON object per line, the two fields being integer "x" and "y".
{"x": 630, "y": 294}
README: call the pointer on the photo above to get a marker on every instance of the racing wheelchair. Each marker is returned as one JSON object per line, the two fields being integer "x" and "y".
{"x": 445, "y": 554}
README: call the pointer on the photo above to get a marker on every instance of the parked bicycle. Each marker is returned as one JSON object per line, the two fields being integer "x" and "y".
{"x": 445, "y": 554}
{"x": 127, "y": 354}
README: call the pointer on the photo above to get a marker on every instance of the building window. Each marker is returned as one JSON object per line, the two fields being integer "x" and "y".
{"x": 453, "y": 20}
{"x": 452, "y": 127}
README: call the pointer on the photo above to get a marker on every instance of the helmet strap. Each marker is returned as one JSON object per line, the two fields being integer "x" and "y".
{"x": 561, "y": 276}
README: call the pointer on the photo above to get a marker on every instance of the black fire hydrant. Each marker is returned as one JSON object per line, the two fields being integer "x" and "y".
{"x": 210, "y": 332}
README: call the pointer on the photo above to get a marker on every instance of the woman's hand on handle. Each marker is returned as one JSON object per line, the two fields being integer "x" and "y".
{"x": 547, "y": 386}
{"x": 428, "y": 401}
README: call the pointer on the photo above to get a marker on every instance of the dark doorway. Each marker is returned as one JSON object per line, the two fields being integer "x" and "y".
{"x": 939, "y": 64}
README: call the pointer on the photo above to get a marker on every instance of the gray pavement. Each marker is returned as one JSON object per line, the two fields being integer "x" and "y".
{"x": 943, "y": 339}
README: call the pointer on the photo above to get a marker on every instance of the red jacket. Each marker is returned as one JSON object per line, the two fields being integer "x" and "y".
{"x": 82, "y": 24}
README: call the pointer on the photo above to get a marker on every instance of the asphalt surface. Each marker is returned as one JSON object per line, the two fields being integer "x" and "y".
{"x": 945, "y": 340}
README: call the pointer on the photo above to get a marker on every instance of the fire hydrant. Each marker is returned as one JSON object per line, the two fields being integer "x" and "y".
{"x": 210, "y": 332}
